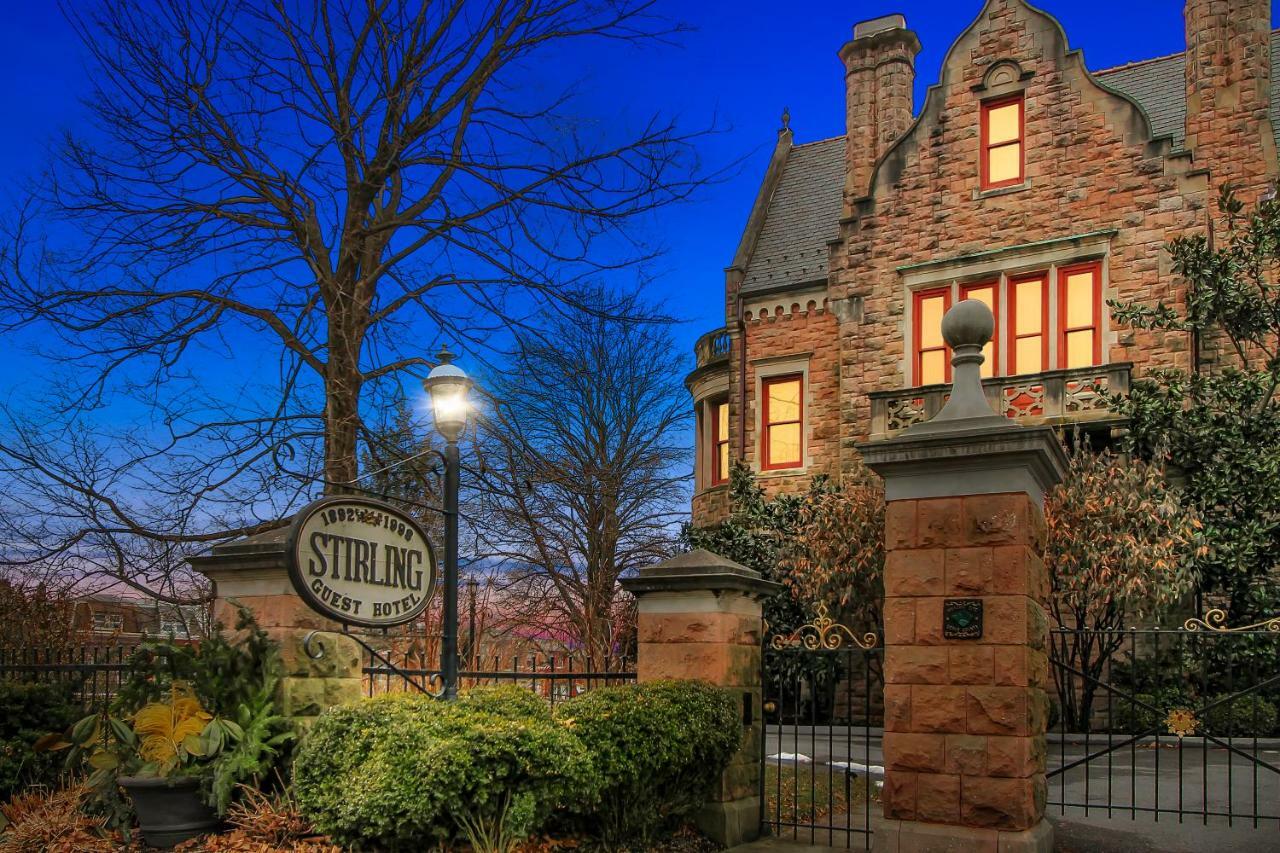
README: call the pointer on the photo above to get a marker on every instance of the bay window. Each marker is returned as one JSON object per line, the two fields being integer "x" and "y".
{"x": 782, "y": 422}
{"x": 719, "y": 442}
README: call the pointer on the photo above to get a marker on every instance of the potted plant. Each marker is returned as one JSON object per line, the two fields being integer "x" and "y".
{"x": 189, "y": 727}
{"x": 160, "y": 755}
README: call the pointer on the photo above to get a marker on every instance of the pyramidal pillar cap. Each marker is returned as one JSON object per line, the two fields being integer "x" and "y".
{"x": 696, "y": 570}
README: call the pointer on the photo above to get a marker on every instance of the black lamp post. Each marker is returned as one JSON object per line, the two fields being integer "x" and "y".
{"x": 472, "y": 586}
{"x": 448, "y": 386}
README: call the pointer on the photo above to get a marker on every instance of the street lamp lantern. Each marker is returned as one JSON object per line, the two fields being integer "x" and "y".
{"x": 448, "y": 385}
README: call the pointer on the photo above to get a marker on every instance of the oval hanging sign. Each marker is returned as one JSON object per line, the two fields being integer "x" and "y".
{"x": 361, "y": 562}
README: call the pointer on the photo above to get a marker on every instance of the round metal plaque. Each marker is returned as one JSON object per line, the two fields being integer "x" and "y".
{"x": 361, "y": 562}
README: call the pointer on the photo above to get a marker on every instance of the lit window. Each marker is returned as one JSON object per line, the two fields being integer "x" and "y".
{"x": 932, "y": 362}
{"x": 719, "y": 442}
{"x": 176, "y": 627}
{"x": 1029, "y": 316}
{"x": 783, "y": 422}
{"x": 986, "y": 294}
{"x": 1002, "y": 151}
{"x": 108, "y": 622}
{"x": 1079, "y": 309}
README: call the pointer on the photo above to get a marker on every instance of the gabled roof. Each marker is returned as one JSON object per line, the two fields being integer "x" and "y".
{"x": 804, "y": 212}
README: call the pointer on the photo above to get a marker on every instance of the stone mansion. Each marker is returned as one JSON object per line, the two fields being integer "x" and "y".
{"x": 1026, "y": 180}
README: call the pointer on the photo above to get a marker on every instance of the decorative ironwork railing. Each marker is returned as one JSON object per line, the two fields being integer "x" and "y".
{"x": 1055, "y": 396}
{"x": 712, "y": 348}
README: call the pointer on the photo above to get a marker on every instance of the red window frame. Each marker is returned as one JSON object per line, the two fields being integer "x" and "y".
{"x": 767, "y": 462}
{"x": 986, "y": 148}
{"x": 718, "y": 475}
{"x": 1094, "y": 267}
{"x": 994, "y": 286}
{"x": 917, "y": 352}
{"x": 1045, "y": 331}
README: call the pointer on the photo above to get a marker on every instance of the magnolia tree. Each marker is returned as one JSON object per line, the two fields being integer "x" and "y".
{"x": 1120, "y": 547}
{"x": 835, "y": 560}
{"x": 825, "y": 545}
{"x": 1220, "y": 420}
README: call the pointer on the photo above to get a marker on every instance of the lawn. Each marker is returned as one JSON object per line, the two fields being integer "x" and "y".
{"x": 810, "y": 794}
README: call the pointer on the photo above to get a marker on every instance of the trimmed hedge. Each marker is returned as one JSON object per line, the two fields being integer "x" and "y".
{"x": 510, "y": 701}
{"x": 408, "y": 772}
{"x": 657, "y": 747}
{"x": 1244, "y": 716}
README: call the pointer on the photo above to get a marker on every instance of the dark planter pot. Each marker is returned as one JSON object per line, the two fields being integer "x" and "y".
{"x": 170, "y": 811}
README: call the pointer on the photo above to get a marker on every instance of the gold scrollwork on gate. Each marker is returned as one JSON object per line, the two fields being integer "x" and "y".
{"x": 1216, "y": 620}
{"x": 823, "y": 634}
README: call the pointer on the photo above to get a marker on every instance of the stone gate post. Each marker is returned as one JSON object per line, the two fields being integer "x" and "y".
{"x": 966, "y": 669}
{"x": 253, "y": 573}
{"x": 699, "y": 616}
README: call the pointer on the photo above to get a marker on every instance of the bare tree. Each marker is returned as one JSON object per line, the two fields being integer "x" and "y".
{"x": 584, "y": 478}
{"x": 278, "y": 207}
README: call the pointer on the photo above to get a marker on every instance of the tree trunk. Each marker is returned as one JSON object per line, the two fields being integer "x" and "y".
{"x": 342, "y": 383}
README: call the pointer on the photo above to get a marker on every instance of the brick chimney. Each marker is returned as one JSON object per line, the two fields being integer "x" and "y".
{"x": 879, "y": 72}
{"x": 1228, "y": 79}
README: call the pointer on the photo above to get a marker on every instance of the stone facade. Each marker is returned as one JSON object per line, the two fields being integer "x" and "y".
{"x": 1111, "y": 173}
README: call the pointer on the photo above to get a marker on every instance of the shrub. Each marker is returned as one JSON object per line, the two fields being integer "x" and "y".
{"x": 1132, "y": 718}
{"x": 27, "y": 712}
{"x": 410, "y": 772}
{"x": 1244, "y": 716}
{"x": 657, "y": 747}
{"x": 508, "y": 701}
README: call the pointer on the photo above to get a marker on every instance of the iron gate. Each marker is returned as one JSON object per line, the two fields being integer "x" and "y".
{"x": 822, "y": 764}
{"x": 1167, "y": 724}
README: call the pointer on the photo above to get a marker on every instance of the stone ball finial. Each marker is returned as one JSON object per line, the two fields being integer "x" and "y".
{"x": 968, "y": 323}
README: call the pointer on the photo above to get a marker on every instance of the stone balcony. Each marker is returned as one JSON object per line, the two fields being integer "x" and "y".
{"x": 712, "y": 348}
{"x": 711, "y": 356}
{"x": 1053, "y": 397}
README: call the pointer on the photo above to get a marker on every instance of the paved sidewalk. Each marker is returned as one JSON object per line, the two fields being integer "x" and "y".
{"x": 1099, "y": 836}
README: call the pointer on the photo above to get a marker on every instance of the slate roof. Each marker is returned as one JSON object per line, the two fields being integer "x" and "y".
{"x": 1160, "y": 87}
{"x": 804, "y": 212}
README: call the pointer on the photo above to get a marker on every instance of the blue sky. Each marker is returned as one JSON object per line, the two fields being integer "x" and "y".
{"x": 742, "y": 63}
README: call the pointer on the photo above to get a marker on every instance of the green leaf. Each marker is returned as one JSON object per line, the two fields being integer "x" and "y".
{"x": 51, "y": 743}
{"x": 195, "y": 745}
{"x": 85, "y": 731}
{"x": 122, "y": 732}
{"x": 103, "y": 760}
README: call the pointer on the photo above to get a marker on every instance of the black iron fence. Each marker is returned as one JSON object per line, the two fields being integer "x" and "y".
{"x": 91, "y": 674}
{"x": 1166, "y": 725}
{"x": 554, "y": 677}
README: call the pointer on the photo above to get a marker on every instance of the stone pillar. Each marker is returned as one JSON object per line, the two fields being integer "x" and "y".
{"x": 699, "y": 616}
{"x": 252, "y": 573}
{"x": 966, "y": 669}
